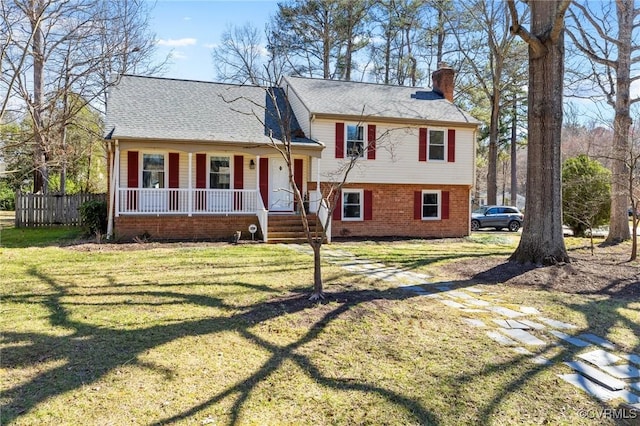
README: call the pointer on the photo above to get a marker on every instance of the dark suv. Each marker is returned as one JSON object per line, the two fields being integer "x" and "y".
{"x": 497, "y": 217}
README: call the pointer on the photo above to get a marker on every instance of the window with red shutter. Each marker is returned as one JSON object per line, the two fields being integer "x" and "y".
{"x": 339, "y": 140}
{"x": 451, "y": 146}
{"x": 422, "y": 145}
{"x": 371, "y": 142}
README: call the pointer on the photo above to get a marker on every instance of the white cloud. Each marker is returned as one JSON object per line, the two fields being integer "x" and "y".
{"x": 180, "y": 42}
{"x": 210, "y": 46}
{"x": 176, "y": 54}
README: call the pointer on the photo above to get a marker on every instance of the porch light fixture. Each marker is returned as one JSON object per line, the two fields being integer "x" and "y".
{"x": 252, "y": 164}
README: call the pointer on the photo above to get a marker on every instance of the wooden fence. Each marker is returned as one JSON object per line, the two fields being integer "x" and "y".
{"x": 33, "y": 210}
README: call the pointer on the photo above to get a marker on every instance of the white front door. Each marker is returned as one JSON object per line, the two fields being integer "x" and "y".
{"x": 280, "y": 193}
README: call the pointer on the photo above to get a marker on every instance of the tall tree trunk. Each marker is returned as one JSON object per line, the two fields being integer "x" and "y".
{"x": 318, "y": 292}
{"x": 514, "y": 153}
{"x": 619, "y": 221}
{"x": 492, "y": 173}
{"x": 542, "y": 240}
{"x": 40, "y": 171}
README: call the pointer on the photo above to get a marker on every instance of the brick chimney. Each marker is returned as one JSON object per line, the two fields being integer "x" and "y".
{"x": 442, "y": 80}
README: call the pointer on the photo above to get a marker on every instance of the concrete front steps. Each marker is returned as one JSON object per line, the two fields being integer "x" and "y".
{"x": 288, "y": 228}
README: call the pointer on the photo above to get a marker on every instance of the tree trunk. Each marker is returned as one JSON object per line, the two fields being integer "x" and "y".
{"x": 492, "y": 173}
{"x": 40, "y": 172}
{"x": 514, "y": 153}
{"x": 619, "y": 221}
{"x": 542, "y": 240}
{"x": 317, "y": 273}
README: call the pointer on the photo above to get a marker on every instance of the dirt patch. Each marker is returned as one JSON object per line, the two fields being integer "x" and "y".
{"x": 606, "y": 272}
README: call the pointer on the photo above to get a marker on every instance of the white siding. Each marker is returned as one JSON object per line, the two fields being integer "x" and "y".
{"x": 397, "y": 157}
{"x": 301, "y": 112}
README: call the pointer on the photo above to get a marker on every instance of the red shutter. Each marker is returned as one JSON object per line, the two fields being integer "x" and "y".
{"x": 371, "y": 141}
{"x": 297, "y": 178}
{"x": 417, "y": 205}
{"x": 444, "y": 212}
{"x": 174, "y": 170}
{"x": 264, "y": 181}
{"x": 201, "y": 170}
{"x": 339, "y": 140}
{"x": 201, "y": 181}
{"x": 238, "y": 172}
{"x": 451, "y": 146}
{"x": 422, "y": 146}
{"x": 368, "y": 205}
{"x": 132, "y": 169}
{"x": 174, "y": 179}
{"x": 337, "y": 211}
{"x": 132, "y": 180}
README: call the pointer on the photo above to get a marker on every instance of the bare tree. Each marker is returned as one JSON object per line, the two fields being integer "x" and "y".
{"x": 610, "y": 49}
{"x": 237, "y": 58}
{"x": 542, "y": 240}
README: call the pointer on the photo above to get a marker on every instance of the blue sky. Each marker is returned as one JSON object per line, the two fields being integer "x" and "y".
{"x": 188, "y": 29}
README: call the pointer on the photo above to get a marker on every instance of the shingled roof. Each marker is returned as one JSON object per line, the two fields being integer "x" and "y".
{"x": 355, "y": 99}
{"x": 182, "y": 110}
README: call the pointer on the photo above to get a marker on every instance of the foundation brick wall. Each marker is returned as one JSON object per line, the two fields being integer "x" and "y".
{"x": 393, "y": 214}
{"x": 212, "y": 227}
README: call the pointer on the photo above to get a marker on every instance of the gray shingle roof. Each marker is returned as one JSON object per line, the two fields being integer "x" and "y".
{"x": 167, "y": 109}
{"x": 335, "y": 97}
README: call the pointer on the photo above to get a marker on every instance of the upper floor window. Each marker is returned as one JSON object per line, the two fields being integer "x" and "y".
{"x": 355, "y": 140}
{"x": 436, "y": 145}
{"x": 153, "y": 170}
{"x": 219, "y": 172}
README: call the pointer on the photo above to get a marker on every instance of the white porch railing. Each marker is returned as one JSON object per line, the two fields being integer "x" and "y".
{"x": 188, "y": 201}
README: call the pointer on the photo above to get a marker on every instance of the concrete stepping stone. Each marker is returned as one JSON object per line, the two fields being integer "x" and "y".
{"x": 529, "y": 310}
{"x": 635, "y": 386}
{"x": 597, "y": 340}
{"x": 540, "y": 360}
{"x": 532, "y": 324}
{"x": 595, "y": 375}
{"x": 523, "y": 337}
{"x": 570, "y": 339}
{"x": 414, "y": 289}
{"x": 588, "y": 386}
{"x": 511, "y": 324}
{"x": 500, "y": 338}
{"x": 557, "y": 324}
{"x": 625, "y": 371}
{"x": 443, "y": 288}
{"x": 522, "y": 351}
{"x": 632, "y": 358}
{"x": 459, "y": 294}
{"x": 474, "y": 311}
{"x": 474, "y": 322}
{"x": 433, "y": 296}
{"x": 600, "y": 357}
{"x": 629, "y": 397}
{"x": 510, "y": 313}
{"x": 453, "y": 304}
{"x": 474, "y": 290}
{"x": 477, "y": 302}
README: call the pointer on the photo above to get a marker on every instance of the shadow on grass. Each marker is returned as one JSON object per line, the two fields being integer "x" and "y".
{"x": 86, "y": 353}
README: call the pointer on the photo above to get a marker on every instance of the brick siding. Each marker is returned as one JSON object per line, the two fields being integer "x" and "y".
{"x": 212, "y": 227}
{"x": 393, "y": 214}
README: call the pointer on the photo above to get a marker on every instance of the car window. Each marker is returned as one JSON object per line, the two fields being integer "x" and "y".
{"x": 509, "y": 210}
{"x": 492, "y": 211}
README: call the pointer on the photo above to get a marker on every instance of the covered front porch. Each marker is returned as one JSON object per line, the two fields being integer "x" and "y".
{"x": 152, "y": 186}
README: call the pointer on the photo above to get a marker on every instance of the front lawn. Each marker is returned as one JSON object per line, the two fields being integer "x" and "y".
{"x": 221, "y": 334}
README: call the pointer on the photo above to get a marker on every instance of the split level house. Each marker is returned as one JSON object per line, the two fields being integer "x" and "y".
{"x": 195, "y": 160}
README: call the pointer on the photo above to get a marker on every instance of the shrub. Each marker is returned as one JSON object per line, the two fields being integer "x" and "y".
{"x": 586, "y": 194}
{"x": 94, "y": 216}
{"x": 7, "y": 197}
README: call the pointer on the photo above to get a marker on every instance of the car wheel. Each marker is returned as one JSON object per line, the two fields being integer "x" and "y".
{"x": 475, "y": 225}
{"x": 514, "y": 226}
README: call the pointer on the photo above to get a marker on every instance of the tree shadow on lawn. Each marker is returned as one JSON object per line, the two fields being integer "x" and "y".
{"x": 601, "y": 316}
{"x": 88, "y": 352}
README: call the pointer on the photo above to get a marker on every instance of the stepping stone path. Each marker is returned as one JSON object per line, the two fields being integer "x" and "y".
{"x": 600, "y": 372}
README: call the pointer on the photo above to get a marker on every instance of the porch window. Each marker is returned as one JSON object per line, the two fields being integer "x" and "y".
{"x": 430, "y": 205}
{"x": 352, "y": 200}
{"x": 436, "y": 145}
{"x": 153, "y": 170}
{"x": 219, "y": 173}
{"x": 355, "y": 140}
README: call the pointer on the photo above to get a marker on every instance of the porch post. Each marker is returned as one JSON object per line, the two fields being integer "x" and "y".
{"x": 116, "y": 179}
{"x": 257, "y": 178}
{"x": 111, "y": 192}
{"x": 190, "y": 192}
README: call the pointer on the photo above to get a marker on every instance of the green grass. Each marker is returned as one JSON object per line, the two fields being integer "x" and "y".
{"x": 222, "y": 334}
